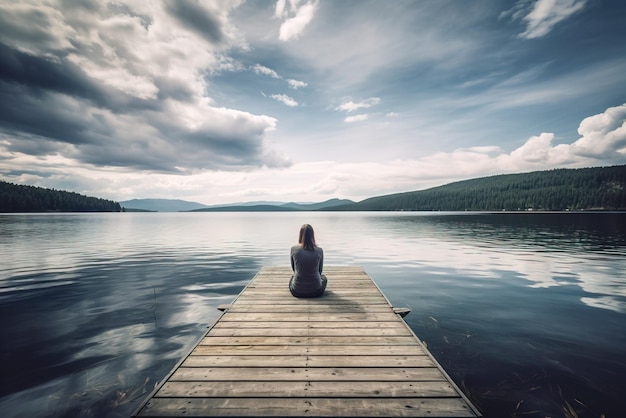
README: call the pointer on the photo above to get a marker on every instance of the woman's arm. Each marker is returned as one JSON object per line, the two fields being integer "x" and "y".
{"x": 321, "y": 261}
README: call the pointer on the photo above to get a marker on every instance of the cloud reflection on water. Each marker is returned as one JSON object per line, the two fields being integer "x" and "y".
{"x": 544, "y": 253}
{"x": 139, "y": 289}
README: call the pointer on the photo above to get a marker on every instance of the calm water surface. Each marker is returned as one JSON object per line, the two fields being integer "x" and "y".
{"x": 526, "y": 312}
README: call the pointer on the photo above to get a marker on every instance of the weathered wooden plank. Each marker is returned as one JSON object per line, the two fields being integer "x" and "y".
{"x": 284, "y": 291}
{"x": 353, "y": 282}
{"x": 297, "y": 350}
{"x": 286, "y": 275}
{"x": 327, "y": 299}
{"x": 333, "y": 285}
{"x": 391, "y": 331}
{"x": 302, "y": 389}
{"x": 270, "y": 374}
{"x": 328, "y": 270}
{"x": 237, "y": 308}
{"x": 308, "y": 407}
{"x": 344, "y": 354}
{"x": 197, "y": 360}
{"x": 310, "y": 317}
{"x": 374, "y": 326}
{"x": 309, "y": 340}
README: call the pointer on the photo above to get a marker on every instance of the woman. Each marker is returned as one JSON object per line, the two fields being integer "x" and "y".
{"x": 307, "y": 261}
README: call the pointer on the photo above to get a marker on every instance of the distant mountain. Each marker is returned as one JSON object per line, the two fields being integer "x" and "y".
{"x": 317, "y": 206}
{"x": 161, "y": 205}
{"x": 275, "y": 206}
{"x": 176, "y": 205}
{"x": 254, "y": 203}
{"x": 597, "y": 188}
{"x": 244, "y": 208}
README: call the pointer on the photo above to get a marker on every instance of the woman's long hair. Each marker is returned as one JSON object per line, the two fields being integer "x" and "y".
{"x": 307, "y": 237}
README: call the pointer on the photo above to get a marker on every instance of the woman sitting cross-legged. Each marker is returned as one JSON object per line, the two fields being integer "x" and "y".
{"x": 307, "y": 262}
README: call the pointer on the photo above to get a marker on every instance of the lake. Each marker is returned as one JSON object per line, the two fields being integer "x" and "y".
{"x": 525, "y": 311}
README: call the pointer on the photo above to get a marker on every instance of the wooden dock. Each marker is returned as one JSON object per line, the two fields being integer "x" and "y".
{"x": 347, "y": 354}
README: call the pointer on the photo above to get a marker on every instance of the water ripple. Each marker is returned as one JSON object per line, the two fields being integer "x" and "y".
{"x": 96, "y": 308}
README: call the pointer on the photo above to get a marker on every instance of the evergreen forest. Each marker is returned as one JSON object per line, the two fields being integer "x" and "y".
{"x": 598, "y": 188}
{"x": 19, "y": 198}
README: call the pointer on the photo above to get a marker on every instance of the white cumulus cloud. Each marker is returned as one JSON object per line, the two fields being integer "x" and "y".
{"x": 543, "y": 15}
{"x": 296, "y": 84}
{"x": 356, "y": 118}
{"x": 295, "y": 17}
{"x": 352, "y": 106}
{"x": 261, "y": 69}
{"x": 283, "y": 98}
{"x": 603, "y": 135}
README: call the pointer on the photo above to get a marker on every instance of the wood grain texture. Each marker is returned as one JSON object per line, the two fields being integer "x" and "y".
{"x": 345, "y": 354}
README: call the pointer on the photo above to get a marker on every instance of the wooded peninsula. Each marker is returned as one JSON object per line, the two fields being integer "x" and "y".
{"x": 19, "y": 198}
{"x": 597, "y": 188}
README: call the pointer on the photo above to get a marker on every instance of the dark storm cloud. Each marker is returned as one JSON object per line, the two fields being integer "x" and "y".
{"x": 235, "y": 144}
{"x": 48, "y": 104}
{"x": 34, "y": 145}
{"x": 173, "y": 89}
{"x": 192, "y": 15}
{"x": 115, "y": 85}
{"x": 38, "y": 33}
{"x": 38, "y": 74}
{"x": 37, "y": 113}
{"x": 35, "y": 99}
{"x": 34, "y": 75}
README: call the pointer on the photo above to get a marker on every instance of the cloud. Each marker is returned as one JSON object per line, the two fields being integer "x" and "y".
{"x": 260, "y": 69}
{"x": 602, "y": 139}
{"x": 194, "y": 16}
{"x": 365, "y": 104}
{"x": 295, "y": 84}
{"x": 605, "y": 133}
{"x": 603, "y": 136}
{"x": 283, "y": 98}
{"x": 296, "y": 18}
{"x": 124, "y": 86}
{"x": 263, "y": 70}
{"x": 356, "y": 118}
{"x": 543, "y": 15}
{"x": 355, "y": 180}
{"x": 45, "y": 31}
{"x": 538, "y": 150}
{"x": 112, "y": 87}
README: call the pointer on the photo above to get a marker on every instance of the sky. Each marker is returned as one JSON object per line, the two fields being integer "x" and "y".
{"x": 305, "y": 100}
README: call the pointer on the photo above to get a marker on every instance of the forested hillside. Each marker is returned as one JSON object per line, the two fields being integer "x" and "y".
{"x": 560, "y": 189}
{"x": 18, "y": 198}
{"x": 598, "y": 188}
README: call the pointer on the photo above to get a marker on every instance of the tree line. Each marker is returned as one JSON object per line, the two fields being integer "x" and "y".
{"x": 20, "y": 198}
{"x": 599, "y": 188}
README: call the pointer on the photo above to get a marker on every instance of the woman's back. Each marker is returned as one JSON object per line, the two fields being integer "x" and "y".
{"x": 307, "y": 263}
